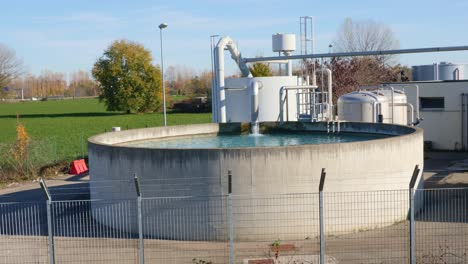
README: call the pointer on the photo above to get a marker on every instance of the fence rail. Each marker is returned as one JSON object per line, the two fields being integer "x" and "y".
{"x": 427, "y": 226}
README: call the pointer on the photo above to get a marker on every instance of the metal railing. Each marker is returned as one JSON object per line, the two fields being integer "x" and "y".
{"x": 391, "y": 226}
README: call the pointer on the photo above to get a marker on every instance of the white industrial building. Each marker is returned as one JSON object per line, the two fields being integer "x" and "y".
{"x": 443, "y": 111}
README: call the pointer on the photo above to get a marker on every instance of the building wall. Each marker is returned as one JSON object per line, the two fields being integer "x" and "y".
{"x": 442, "y": 126}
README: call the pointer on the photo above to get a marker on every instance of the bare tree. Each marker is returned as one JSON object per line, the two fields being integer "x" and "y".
{"x": 10, "y": 66}
{"x": 366, "y": 35}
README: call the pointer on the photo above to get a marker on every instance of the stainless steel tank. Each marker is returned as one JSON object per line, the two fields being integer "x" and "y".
{"x": 440, "y": 71}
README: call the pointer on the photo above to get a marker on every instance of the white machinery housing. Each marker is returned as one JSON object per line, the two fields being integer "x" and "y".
{"x": 267, "y": 99}
{"x": 383, "y": 105}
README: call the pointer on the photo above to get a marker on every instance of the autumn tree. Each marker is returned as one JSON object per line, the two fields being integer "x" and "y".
{"x": 127, "y": 78}
{"x": 351, "y": 73}
{"x": 81, "y": 84}
{"x": 260, "y": 70}
{"x": 11, "y": 67}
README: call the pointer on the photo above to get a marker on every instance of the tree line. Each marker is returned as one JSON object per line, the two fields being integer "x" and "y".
{"x": 51, "y": 84}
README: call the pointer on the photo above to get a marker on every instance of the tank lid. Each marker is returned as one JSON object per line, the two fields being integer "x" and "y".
{"x": 361, "y": 96}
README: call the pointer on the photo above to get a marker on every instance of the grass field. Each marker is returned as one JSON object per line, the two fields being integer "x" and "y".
{"x": 67, "y": 124}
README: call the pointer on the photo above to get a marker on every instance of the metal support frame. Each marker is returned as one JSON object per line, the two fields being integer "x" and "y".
{"x": 321, "y": 217}
{"x": 140, "y": 220}
{"x": 315, "y": 104}
{"x": 412, "y": 223}
{"x": 50, "y": 230}
{"x": 230, "y": 220}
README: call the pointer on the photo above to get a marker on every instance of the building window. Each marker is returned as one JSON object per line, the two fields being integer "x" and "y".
{"x": 432, "y": 103}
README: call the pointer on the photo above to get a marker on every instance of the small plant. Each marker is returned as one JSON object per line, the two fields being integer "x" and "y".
{"x": 20, "y": 150}
{"x": 201, "y": 261}
{"x": 275, "y": 247}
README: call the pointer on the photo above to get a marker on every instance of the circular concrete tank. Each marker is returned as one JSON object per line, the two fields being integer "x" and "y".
{"x": 189, "y": 186}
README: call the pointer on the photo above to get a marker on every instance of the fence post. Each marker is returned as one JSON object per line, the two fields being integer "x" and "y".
{"x": 411, "y": 204}
{"x": 140, "y": 221}
{"x": 50, "y": 230}
{"x": 230, "y": 220}
{"x": 321, "y": 217}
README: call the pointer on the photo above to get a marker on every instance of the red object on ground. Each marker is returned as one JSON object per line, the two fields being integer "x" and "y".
{"x": 78, "y": 167}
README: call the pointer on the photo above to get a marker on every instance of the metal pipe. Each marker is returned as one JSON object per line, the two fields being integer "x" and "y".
{"x": 213, "y": 82}
{"x": 235, "y": 88}
{"x": 374, "y": 110}
{"x": 393, "y": 105}
{"x": 289, "y": 68}
{"x": 411, "y": 111}
{"x": 226, "y": 42}
{"x": 281, "y": 105}
{"x": 254, "y": 87}
{"x": 360, "y": 53}
{"x": 330, "y": 88}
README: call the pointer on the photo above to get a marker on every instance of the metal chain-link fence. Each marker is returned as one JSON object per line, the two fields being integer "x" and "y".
{"x": 391, "y": 226}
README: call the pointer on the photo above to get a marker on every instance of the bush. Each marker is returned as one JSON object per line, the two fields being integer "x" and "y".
{"x": 23, "y": 159}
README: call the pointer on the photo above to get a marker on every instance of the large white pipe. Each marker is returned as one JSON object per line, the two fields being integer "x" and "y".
{"x": 289, "y": 68}
{"x": 254, "y": 90}
{"x": 226, "y": 42}
{"x": 221, "y": 100}
{"x": 214, "y": 90}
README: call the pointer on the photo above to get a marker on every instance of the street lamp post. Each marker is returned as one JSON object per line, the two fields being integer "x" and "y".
{"x": 161, "y": 26}
{"x": 214, "y": 96}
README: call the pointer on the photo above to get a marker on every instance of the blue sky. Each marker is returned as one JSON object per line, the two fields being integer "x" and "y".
{"x": 68, "y": 35}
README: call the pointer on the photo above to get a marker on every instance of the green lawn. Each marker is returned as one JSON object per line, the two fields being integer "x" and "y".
{"x": 66, "y": 124}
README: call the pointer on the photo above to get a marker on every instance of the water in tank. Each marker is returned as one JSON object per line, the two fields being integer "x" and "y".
{"x": 440, "y": 71}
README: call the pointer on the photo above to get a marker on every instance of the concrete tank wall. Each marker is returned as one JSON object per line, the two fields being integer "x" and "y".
{"x": 382, "y": 164}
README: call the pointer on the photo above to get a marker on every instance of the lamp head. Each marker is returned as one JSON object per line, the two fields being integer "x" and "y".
{"x": 162, "y": 25}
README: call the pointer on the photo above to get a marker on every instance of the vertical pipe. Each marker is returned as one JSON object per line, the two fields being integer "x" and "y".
{"x": 222, "y": 95}
{"x": 254, "y": 86}
{"x": 330, "y": 93}
{"x": 213, "y": 90}
{"x": 281, "y": 106}
{"x": 214, "y": 96}
{"x": 230, "y": 220}
{"x": 289, "y": 68}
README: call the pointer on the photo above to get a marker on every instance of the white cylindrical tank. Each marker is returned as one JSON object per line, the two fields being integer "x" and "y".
{"x": 283, "y": 42}
{"x": 399, "y": 113}
{"x": 367, "y": 106}
{"x": 440, "y": 71}
{"x": 361, "y": 106}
